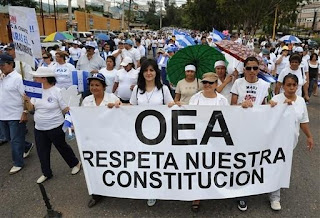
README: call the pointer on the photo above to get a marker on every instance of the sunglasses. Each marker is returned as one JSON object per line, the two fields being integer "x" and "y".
{"x": 250, "y": 68}
{"x": 206, "y": 82}
{"x": 45, "y": 57}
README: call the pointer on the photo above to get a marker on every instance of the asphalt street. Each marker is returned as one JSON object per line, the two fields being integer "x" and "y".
{"x": 20, "y": 195}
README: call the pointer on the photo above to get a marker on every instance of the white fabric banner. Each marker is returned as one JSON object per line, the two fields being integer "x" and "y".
{"x": 187, "y": 153}
{"x": 25, "y": 34}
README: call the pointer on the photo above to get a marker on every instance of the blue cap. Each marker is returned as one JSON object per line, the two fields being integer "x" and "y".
{"x": 171, "y": 49}
{"x": 4, "y": 58}
{"x": 97, "y": 76}
{"x": 129, "y": 42}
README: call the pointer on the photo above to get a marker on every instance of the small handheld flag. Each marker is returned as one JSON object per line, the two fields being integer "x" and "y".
{"x": 32, "y": 89}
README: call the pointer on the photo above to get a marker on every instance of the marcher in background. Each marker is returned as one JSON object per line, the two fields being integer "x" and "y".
{"x": 47, "y": 61}
{"x": 109, "y": 73}
{"x": 225, "y": 80}
{"x": 131, "y": 52}
{"x": 298, "y": 70}
{"x": 140, "y": 48}
{"x": 48, "y": 118}
{"x": 13, "y": 116}
{"x": 63, "y": 71}
{"x": 282, "y": 60}
{"x": 91, "y": 62}
{"x": 75, "y": 52}
{"x": 154, "y": 46}
{"x": 125, "y": 80}
{"x": 21, "y": 67}
{"x": 105, "y": 51}
{"x": 117, "y": 54}
{"x": 290, "y": 87}
{"x": 188, "y": 86}
{"x": 314, "y": 70}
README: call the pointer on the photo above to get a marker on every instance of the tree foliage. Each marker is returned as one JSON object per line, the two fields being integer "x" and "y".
{"x": 151, "y": 18}
{"x": 25, "y": 3}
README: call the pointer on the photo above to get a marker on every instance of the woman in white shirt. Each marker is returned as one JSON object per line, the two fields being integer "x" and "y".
{"x": 47, "y": 60}
{"x": 109, "y": 72}
{"x": 75, "y": 51}
{"x": 282, "y": 60}
{"x": 290, "y": 86}
{"x": 209, "y": 96}
{"x": 100, "y": 98}
{"x": 48, "y": 118}
{"x": 150, "y": 91}
{"x": 63, "y": 70}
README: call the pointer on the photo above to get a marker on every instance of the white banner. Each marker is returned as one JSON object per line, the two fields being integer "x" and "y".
{"x": 188, "y": 153}
{"x": 25, "y": 34}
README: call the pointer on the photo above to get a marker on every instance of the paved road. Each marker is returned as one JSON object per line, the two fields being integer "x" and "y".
{"x": 20, "y": 195}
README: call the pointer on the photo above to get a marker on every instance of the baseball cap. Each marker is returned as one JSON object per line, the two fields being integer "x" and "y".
{"x": 299, "y": 49}
{"x": 285, "y": 48}
{"x": 265, "y": 51}
{"x": 4, "y": 58}
{"x": 129, "y": 42}
{"x": 97, "y": 76}
{"x": 210, "y": 77}
{"x": 90, "y": 44}
{"x": 126, "y": 61}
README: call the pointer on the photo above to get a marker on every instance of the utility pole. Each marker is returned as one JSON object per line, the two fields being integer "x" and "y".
{"x": 122, "y": 20}
{"x": 275, "y": 23}
{"x": 129, "y": 14}
{"x": 160, "y": 14}
{"x": 41, "y": 11}
{"x": 70, "y": 15}
{"x": 55, "y": 16}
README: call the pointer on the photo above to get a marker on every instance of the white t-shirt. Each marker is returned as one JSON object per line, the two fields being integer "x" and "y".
{"x": 226, "y": 91}
{"x": 142, "y": 51}
{"x": 300, "y": 110}
{"x": 118, "y": 59}
{"x": 155, "y": 97}
{"x": 64, "y": 75}
{"x": 75, "y": 53}
{"x": 107, "y": 98}
{"x": 126, "y": 80}
{"x": 200, "y": 99}
{"x": 301, "y": 78}
{"x": 256, "y": 92}
{"x": 110, "y": 76}
{"x": 48, "y": 110}
{"x": 283, "y": 63}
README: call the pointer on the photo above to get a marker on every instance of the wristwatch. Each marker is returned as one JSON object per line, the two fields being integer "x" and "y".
{"x": 26, "y": 111}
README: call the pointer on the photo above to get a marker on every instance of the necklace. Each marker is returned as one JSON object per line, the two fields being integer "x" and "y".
{"x": 148, "y": 98}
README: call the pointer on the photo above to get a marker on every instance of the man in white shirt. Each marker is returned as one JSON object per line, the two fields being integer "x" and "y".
{"x": 75, "y": 51}
{"x": 131, "y": 52}
{"x": 140, "y": 47}
{"x": 21, "y": 67}
{"x": 13, "y": 117}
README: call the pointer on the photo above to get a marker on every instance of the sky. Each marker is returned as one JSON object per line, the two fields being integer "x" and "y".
{"x": 142, "y": 2}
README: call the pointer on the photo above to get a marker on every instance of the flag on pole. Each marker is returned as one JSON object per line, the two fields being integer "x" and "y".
{"x": 67, "y": 124}
{"x": 183, "y": 39}
{"x": 32, "y": 89}
{"x": 217, "y": 35}
{"x": 79, "y": 78}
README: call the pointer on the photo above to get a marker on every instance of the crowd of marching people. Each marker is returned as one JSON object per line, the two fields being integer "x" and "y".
{"x": 120, "y": 74}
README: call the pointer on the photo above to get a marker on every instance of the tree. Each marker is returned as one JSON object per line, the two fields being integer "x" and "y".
{"x": 151, "y": 18}
{"x": 173, "y": 15}
{"x": 25, "y": 3}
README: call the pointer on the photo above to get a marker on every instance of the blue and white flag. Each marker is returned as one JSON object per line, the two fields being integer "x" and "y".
{"x": 32, "y": 89}
{"x": 79, "y": 78}
{"x": 67, "y": 123}
{"x": 183, "y": 39}
{"x": 218, "y": 36}
{"x": 267, "y": 77}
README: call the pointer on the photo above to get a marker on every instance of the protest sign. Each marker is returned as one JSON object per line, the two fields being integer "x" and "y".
{"x": 188, "y": 153}
{"x": 25, "y": 34}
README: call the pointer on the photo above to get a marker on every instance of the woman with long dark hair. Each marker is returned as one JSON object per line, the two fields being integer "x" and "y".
{"x": 150, "y": 91}
{"x": 109, "y": 72}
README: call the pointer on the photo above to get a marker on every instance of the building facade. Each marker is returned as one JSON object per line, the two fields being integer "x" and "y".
{"x": 309, "y": 16}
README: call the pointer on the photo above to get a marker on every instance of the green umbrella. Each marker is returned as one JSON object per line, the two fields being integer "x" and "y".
{"x": 201, "y": 56}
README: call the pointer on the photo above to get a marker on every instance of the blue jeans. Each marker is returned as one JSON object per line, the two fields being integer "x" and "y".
{"x": 2, "y": 136}
{"x": 15, "y": 131}
{"x": 154, "y": 52}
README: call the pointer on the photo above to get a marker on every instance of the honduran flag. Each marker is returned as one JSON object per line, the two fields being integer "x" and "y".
{"x": 67, "y": 124}
{"x": 183, "y": 39}
{"x": 32, "y": 89}
{"x": 79, "y": 78}
{"x": 218, "y": 36}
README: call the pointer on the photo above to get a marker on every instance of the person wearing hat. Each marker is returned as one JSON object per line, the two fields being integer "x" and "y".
{"x": 225, "y": 81}
{"x": 125, "y": 80}
{"x": 267, "y": 60}
{"x": 131, "y": 52}
{"x": 13, "y": 116}
{"x": 21, "y": 67}
{"x": 188, "y": 86}
{"x": 282, "y": 60}
{"x": 75, "y": 51}
{"x": 208, "y": 96}
{"x": 117, "y": 54}
{"x": 48, "y": 118}
{"x": 100, "y": 98}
